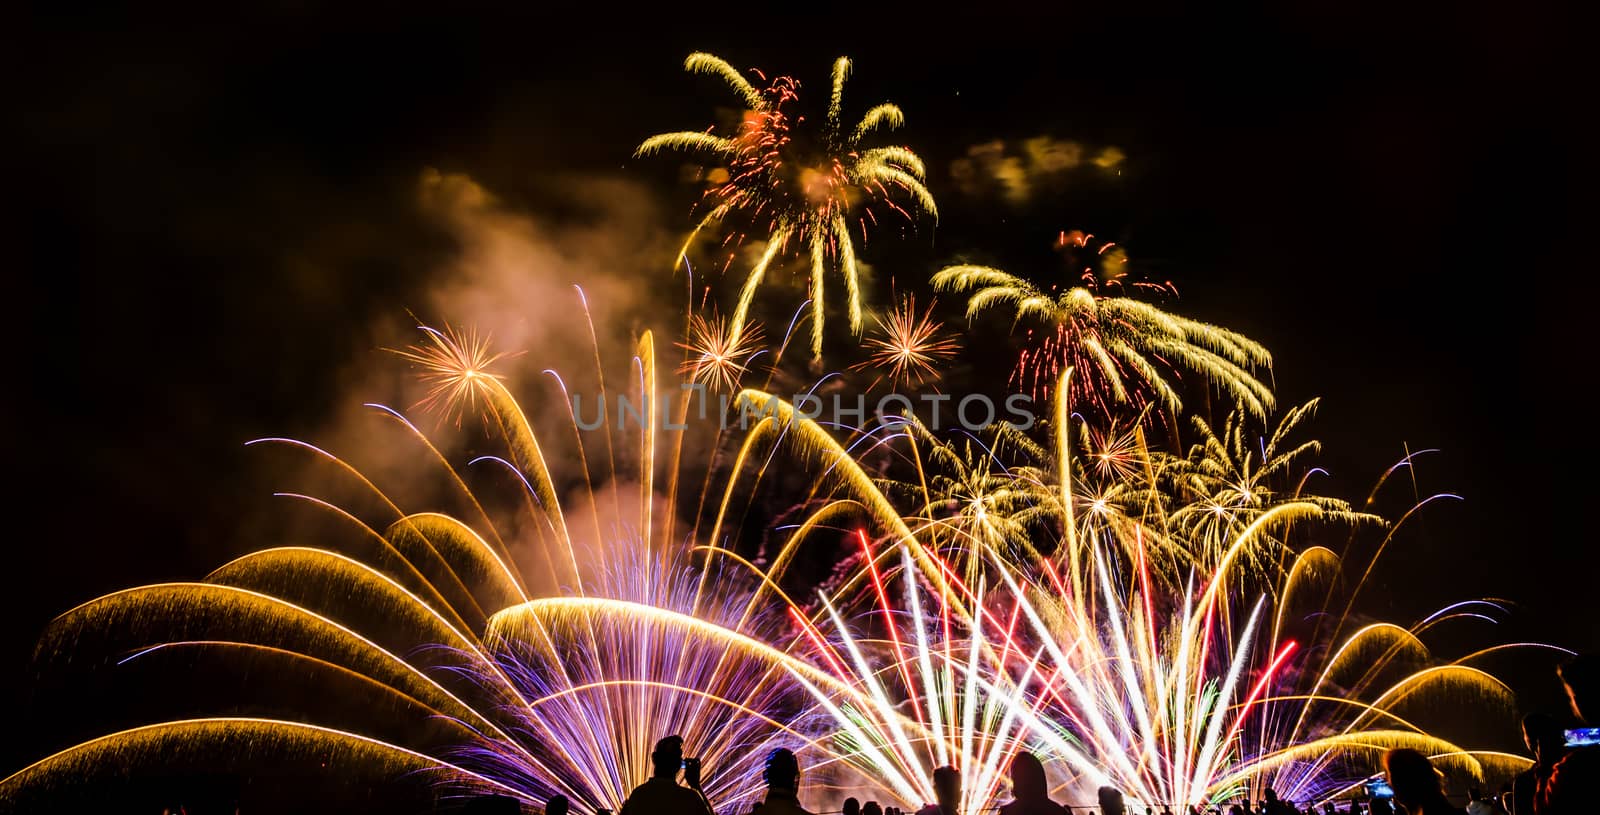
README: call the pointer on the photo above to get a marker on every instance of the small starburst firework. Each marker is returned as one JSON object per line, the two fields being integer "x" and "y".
{"x": 1113, "y": 451}
{"x": 908, "y": 349}
{"x": 455, "y": 367}
{"x": 717, "y": 359}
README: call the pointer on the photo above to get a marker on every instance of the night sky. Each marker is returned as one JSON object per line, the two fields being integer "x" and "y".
{"x": 215, "y": 210}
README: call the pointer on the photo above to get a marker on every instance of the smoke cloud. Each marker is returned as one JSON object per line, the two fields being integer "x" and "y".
{"x": 1015, "y": 171}
{"x": 536, "y": 286}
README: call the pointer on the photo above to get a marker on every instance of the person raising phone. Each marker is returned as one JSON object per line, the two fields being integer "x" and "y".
{"x": 1543, "y": 736}
{"x": 1573, "y": 785}
{"x": 662, "y": 794}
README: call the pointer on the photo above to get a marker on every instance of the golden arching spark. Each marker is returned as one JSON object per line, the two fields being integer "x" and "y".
{"x": 455, "y": 367}
{"x": 907, "y": 348}
{"x": 717, "y": 359}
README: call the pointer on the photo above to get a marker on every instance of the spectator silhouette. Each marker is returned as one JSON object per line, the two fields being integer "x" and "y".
{"x": 1573, "y": 785}
{"x": 1272, "y": 805}
{"x": 852, "y": 806}
{"x": 1480, "y": 804}
{"x": 1111, "y": 801}
{"x": 1416, "y": 783}
{"x": 1548, "y": 744}
{"x": 1030, "y": 790}
{"x": 782, "y": 775}
{"x": 662, "y": 794}
{"x": 557, "y": 805}
{"x": 871, "y": 808}
{"x": 1381, "y": 806}
{"x": 947, "y": 789}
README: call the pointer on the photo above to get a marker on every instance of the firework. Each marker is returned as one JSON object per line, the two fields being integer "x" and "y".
{"x": 1187, "y": 710}
{"x": 907, "y": 348}
{"x": 958, "y": 633}
{"x": 1169, "y": 692}
{"x": 1230, "y": 479}
{"x": 603, "y": 678}
{"x": 1121, "y": 348}
{"x": 718, "y": 358}
{"x": 801, "y": 191}
{"x": 456, "y": 368}
{"x": 427, "y": 619}
{"x": 929, "y": 661}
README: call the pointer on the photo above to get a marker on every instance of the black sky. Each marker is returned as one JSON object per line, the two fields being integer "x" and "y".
{"x": 212, "y": 210}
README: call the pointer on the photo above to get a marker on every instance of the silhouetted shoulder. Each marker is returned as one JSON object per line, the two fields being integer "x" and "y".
{"x": 663, "y": 796}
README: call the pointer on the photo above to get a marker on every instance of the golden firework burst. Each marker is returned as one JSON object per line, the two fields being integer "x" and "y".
{"x": 806, "y": 192}
{"x": 908, "y": 348}
{"x": 718, "y": 358}
{"x": 455, "y": 366}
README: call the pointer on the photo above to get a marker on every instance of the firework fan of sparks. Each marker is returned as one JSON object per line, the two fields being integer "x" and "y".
{"x": 908, "y": 348}
{"x": 447, "y": 657}
{"x": 939, "y": 643}
{"x": 717, "y": 358}
{"x": 808, "y": 193}
{"x": 1165, "y": 688}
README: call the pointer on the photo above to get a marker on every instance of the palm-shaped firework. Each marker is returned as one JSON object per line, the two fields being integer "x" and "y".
{"x": 1228, "y": 481}
{"x": 1122, "y": 350}
{"x": 802, "y": 195}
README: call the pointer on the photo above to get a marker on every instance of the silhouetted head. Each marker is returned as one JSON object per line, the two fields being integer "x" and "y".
{"x": 668, "y": 757}
{"x": 782, "y": 771}
{"x": 852, "y": 807}
{"x": 1111, "y": 801}
{"x": 1543, "y": 736}
{"x": 557, "y": 805}
{"x": 1412, "y": 776}
{"x": 871, "y": 808}
{"x": 1027, "y": 778}
{"x": 1582, "y": 678}
{"x": 1271, "y": 795}
{"x": 947, "y": 787}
